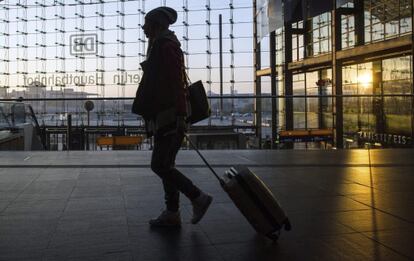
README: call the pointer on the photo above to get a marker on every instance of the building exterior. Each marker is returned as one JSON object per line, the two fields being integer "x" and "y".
{"x": 346, "y": 66}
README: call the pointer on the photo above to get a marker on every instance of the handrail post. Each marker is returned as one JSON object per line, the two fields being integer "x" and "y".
{"x": 69, "y": 132}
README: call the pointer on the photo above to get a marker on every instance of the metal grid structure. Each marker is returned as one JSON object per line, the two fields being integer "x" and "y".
{"x": 40, "y": 60}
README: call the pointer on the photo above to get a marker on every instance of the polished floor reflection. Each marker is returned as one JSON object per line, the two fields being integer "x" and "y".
{"x": 95, "y": 206}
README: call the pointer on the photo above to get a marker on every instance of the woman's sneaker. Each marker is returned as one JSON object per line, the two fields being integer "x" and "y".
{"x": 167, "y": 219}
{"x": 200, "y": 206}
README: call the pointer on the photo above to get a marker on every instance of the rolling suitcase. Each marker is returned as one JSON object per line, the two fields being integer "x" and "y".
{"x": 253, "y": 198}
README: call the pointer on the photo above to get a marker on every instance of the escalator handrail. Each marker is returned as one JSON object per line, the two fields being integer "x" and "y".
{"x": 38, "y": 129}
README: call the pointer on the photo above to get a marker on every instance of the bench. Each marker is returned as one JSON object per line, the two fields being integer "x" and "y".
{"x": 120, "y": 142}
{"x": 306, "y": 135}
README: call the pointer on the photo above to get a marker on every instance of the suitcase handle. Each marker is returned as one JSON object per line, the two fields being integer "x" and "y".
{"x": 205, "y": 161}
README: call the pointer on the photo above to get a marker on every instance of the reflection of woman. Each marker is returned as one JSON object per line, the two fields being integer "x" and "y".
{"x": 161, "y": 100}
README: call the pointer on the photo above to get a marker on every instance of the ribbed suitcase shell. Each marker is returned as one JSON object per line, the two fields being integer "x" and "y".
{"x": 253, "y": 198}
{"x": 255, "y": 201}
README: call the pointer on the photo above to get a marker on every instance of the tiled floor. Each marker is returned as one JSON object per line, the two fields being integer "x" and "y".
{"x": 95, "y": 206}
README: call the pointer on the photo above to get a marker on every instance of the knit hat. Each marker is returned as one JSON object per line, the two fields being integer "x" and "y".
{"x": 163, "y": 15}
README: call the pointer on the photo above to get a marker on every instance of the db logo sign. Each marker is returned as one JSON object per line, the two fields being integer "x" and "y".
{"x": 83, "y": 44}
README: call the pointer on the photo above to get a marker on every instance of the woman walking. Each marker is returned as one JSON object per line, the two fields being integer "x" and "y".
{"x": 161, "y": 100}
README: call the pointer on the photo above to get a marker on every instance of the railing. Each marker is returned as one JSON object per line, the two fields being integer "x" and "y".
{"x": 113, "y": 119}
{"x": 20, "y": 99}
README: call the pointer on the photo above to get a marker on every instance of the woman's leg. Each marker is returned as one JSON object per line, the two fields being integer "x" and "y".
{"x": 163, "y": 164}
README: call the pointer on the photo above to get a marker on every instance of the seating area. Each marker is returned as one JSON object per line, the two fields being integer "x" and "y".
{"x": 120, "y": 142}
{"x": 84, "y": 205}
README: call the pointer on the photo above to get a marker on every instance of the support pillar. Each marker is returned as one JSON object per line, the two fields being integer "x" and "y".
{"x": 288, "y": 78}
{"x": 257, "y": 82}
{"x": 337, "y": 80}
{"x": 412, "y": 73}
{"x": 359, "y": 22}
{"x": 272, "y": 45}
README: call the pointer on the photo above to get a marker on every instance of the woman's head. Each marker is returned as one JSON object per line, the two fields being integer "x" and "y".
{"x": 157, "y": 20}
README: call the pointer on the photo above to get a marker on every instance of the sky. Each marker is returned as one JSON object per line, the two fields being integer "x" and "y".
{"x": 58, "y": 32}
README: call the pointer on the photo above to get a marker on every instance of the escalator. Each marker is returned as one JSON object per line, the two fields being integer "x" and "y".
{"x": 19, "y": 128}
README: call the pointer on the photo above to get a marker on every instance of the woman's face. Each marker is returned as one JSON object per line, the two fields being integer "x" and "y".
{"x": 150, "y": 29}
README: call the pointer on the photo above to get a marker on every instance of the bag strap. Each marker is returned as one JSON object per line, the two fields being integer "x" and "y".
{"x": 186, "y": 79}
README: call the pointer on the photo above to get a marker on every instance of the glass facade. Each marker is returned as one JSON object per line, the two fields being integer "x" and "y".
{"x": 380, "y": 119}
{"x": 93, "y": 49}
{"x": 377, "y": 103}
{"x": 373, "y": 111}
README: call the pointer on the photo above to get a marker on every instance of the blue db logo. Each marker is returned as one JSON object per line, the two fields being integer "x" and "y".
{"x": 83, "y": 44}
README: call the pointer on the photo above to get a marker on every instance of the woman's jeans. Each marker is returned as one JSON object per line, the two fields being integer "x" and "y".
{"x": 163, "y": 164}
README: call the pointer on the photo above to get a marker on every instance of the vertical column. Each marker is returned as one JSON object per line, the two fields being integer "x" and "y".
{"x": 307, "y": 36}
{"x": 273, "y": 83}
{"x": 141, "y": 36}
{"x": 62, "y": 33}
{"x": 208, "y": 51}
{"x": 17, "y": 53}
{"x": 378, "y": 102}
{"x": 337, "y": 79}
{"x": 257, "y": 82}
{"x": 121, "y": 55}
{"x": 100, "y": 61}
{"x": 58, "y": 69}
{"x": 185, "y": 33}
{"x": 412, "y": 73}
{"x": 6, "y": 46}
{"x": 288, "y": 78}
{"x": 232, "y": 80}
{"x": 221, "y": 65}
{"x": 82, "y": 82}
{"x": 80, "y": 86}
{"x": 359, "y": 22}
{"x": 122, "y": 41}
{"x": 98, "y": 72}
{"x": 22, "y": 55}
{"x": 42, "y": 58}
{"x": 36, "y": 66}
{"x": 141, "y": 39}
{"x": 25, "y": 45}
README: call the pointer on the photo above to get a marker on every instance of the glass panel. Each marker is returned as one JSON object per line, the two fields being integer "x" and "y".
{"x": 358, "y": 117}
{"x": 326, "y": 119}
{"x": 299, "y": 104}
{"x": 319, "y": 34}
{"x": 396, "y": 78}
{"x": 312, "y": 103}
